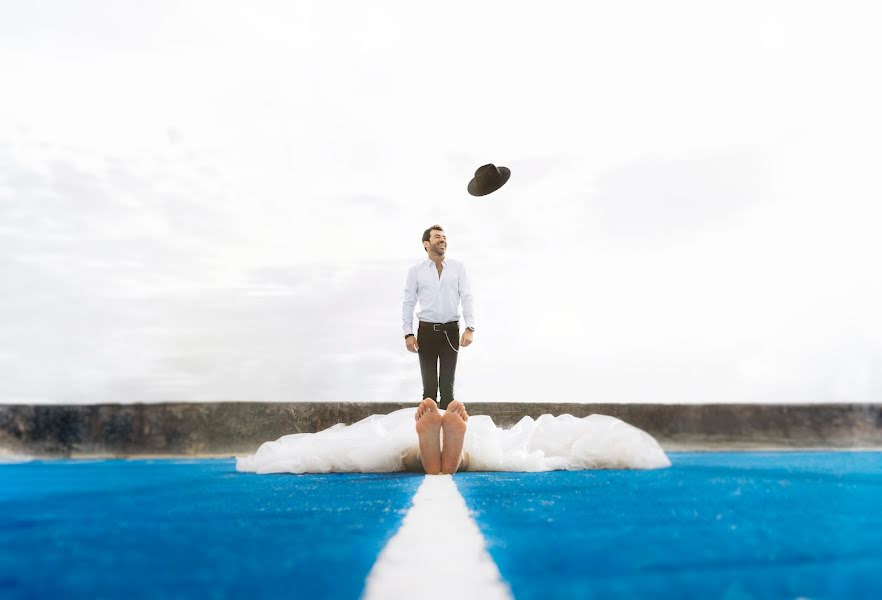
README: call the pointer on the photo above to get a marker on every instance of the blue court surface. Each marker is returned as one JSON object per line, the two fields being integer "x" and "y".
{"x": 714, "y": 525}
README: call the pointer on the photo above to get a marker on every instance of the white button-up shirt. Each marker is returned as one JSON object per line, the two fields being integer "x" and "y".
{"x": 439, "y": 297}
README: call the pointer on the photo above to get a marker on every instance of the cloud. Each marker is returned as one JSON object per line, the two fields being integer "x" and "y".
{"x": 107, "y": 300}
{"x": 657, "y": 200}
{"x": 187, "y": 217}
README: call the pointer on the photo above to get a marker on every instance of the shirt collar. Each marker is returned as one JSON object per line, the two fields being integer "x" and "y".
{"x": 429, "y": 261}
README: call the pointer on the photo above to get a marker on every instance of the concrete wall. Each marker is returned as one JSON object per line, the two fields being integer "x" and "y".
{"x": 237, "y": 428}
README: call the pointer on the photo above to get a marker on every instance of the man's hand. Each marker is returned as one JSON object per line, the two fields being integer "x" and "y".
{"x": 412, "y": 344}
{"x": 466, "y": 338}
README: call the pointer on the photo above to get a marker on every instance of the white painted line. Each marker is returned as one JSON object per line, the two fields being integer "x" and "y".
{"x": 439, "y": 552}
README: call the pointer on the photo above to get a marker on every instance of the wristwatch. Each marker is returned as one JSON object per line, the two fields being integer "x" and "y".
{"x": 472, "y": 329}
{"x": 408, "y": 335}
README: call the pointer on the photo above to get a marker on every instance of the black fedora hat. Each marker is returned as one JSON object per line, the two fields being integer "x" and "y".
{"x": 488, "y": 178}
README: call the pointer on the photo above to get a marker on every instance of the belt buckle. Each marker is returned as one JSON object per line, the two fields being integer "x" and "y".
{"x": 435, "y": 326}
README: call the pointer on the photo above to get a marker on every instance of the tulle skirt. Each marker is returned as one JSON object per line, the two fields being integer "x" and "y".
{"x": 387, "y": 443}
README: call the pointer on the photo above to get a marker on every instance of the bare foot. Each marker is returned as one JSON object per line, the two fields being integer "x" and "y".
{"x": 454, "y": 425}
{"x": 428, "y": 427}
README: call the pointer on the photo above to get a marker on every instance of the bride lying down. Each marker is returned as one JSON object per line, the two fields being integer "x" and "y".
{"x": 428, "y": 439}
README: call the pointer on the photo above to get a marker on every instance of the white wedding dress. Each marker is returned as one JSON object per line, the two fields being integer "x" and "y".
{"x": 387, "y": 443}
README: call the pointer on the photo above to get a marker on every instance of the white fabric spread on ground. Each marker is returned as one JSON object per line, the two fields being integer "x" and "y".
{"x": 379, "y": 443}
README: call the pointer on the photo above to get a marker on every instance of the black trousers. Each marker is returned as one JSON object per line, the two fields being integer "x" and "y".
{"x": 434, "y": 347}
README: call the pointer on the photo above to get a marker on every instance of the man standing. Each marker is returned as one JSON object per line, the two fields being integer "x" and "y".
{"x": 440, "y": 284}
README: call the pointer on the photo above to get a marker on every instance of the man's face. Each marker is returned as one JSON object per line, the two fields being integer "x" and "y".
{"x": 438, "y": 241}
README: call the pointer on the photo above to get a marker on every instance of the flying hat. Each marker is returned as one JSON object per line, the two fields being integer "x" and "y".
{"x": 488, "y": 178}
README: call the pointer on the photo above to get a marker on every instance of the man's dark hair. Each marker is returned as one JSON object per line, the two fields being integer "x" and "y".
{"x": 427, "y": 234}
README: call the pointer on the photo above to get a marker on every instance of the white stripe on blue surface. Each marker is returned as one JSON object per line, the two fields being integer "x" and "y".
{"x": 438, "y": 552}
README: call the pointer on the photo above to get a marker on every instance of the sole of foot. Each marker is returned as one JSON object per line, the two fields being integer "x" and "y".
{"x": 428, "y": 428}
{"x": 453, "y": 426}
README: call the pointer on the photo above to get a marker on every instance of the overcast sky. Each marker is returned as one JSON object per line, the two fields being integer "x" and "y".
{"x": 221, "y": 200}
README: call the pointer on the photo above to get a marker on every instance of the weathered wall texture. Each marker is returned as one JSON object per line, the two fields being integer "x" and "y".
{"x": 237, "y": 428}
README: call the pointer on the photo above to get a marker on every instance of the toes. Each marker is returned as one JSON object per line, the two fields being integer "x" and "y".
{"x": 428, "y": 423}
{"x": 426, "y": 406}
{"x": 459, "y": 408}
{"x": 452, "y": 418}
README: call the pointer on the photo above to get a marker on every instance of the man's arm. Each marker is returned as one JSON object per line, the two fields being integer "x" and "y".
{"x": 410, "y": 300}
{"x": 465, "y": 296}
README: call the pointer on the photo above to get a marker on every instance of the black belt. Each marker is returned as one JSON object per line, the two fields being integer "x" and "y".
{"x": 450, "y": 325}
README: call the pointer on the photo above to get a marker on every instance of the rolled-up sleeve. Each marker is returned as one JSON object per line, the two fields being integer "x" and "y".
{"x": 465, "y": 296}
{"x": 410, "y": 299}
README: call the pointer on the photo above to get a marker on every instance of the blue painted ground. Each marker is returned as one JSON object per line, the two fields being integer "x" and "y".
{"x": 712, "y": 526}
{"x": 162, "y": 528}
{"x": 740, "y": 525}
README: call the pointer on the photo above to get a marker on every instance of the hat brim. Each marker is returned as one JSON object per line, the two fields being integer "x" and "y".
{"x": 474, "y": 190}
